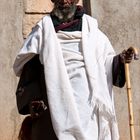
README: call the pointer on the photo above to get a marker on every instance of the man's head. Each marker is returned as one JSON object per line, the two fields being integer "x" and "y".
{"x": 64, "y": 9}
{"x": 65, "y": 2}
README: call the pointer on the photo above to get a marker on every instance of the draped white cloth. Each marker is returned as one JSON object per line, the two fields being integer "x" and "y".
{"x": 73, "y": 119}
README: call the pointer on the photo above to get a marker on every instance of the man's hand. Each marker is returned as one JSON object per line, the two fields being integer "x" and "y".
{"x": 37, "y": 108}
{"x": 127, "y": 55}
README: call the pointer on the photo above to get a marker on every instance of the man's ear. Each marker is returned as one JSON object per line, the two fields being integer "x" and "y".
{"x": 76, "y": 1}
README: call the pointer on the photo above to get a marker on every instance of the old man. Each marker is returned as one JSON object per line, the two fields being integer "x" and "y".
{"x": 67, "y": 68}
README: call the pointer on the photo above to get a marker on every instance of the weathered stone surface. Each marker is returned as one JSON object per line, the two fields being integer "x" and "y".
{"x": 29, "y": 21}
{"x": 10, "y": 41}
{"x": 38, "y": 6}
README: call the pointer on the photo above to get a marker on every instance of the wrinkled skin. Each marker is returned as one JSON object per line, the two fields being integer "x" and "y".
{"x": 127, "y": 56}
{"x": 64, "y": 9}
{"x": 37, "y": 108}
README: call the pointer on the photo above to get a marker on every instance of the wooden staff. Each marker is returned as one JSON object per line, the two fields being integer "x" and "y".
{"x": 129, "y": 94}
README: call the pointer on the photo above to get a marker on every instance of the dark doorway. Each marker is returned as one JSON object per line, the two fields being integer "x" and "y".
{"x": 87, "y": 6}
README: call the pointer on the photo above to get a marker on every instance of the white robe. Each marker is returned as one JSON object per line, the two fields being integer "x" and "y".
{"x": 98, "y": 55}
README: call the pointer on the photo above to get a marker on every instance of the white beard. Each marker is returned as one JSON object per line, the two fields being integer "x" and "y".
{"x": 64, "y": 14}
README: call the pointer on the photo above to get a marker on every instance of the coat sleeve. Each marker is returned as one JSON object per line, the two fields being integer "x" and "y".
{"x": 118, "y": 72}
{"x": 31, "y": 85}
{"x": 114, "y": 68}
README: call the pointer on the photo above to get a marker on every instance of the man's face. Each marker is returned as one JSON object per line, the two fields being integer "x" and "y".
{"x": 65, "y": 4}
{"x": 64, "y": 9}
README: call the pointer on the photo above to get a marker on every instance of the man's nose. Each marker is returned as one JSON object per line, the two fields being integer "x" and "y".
{"x": 65, "y": 1}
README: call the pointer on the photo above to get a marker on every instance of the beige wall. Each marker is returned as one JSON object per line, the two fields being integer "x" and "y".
{"x": 10, "y": 41}
{"x": 120, "y": 20}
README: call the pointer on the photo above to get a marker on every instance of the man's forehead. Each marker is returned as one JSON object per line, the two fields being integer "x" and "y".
{"x": 76, "y": 1}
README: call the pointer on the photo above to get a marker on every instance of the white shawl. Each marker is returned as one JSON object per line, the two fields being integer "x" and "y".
{"x": 98, "y": 55}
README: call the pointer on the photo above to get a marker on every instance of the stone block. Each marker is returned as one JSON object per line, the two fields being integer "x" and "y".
{"x": 29, "y": 21}
{"x": 38, "y": 6}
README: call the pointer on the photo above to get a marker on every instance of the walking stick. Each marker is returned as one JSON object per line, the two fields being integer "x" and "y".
{"x": 129, "y": 94}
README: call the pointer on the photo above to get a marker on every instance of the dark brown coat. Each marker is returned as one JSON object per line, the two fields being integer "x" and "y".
{"x": 31, "y": 87}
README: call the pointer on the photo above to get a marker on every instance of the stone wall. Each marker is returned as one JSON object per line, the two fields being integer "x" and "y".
{"x": 11, "y": 12}
{"x": 120, "y": 20}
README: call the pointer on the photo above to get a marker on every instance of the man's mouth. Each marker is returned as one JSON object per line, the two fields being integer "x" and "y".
{"x": 64, "y": 6}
